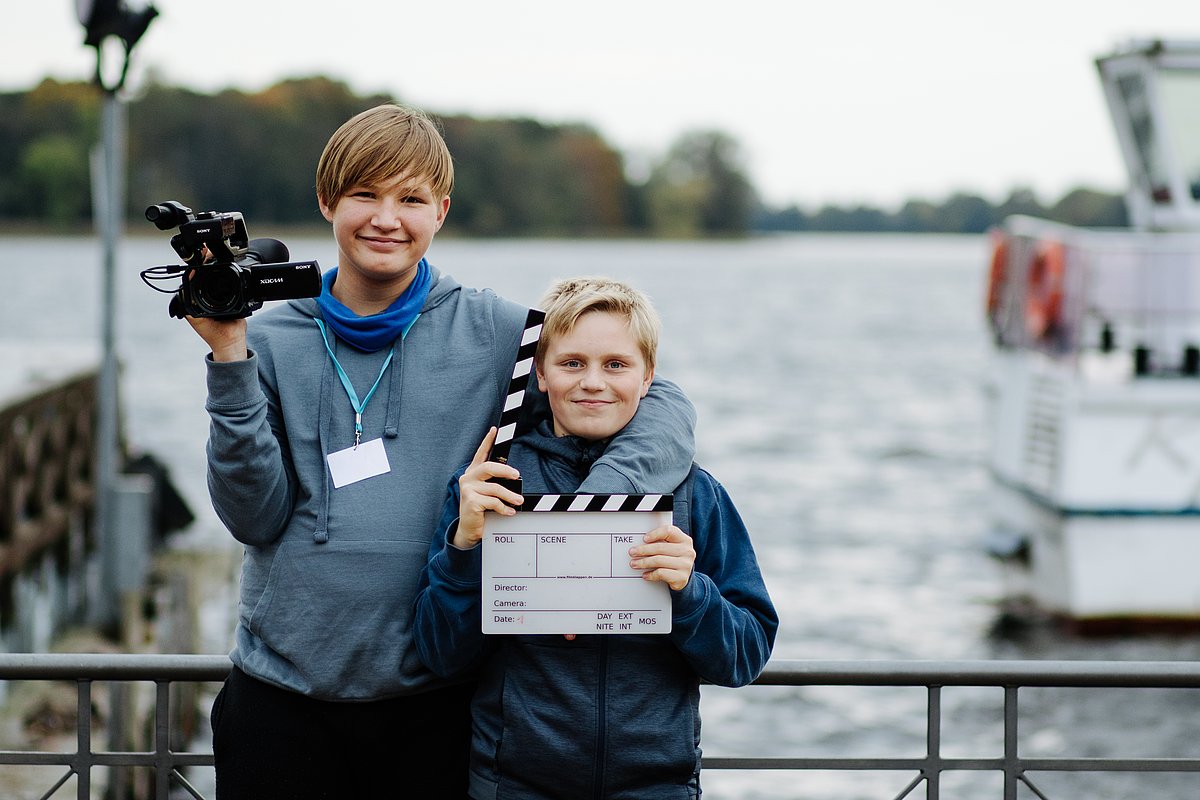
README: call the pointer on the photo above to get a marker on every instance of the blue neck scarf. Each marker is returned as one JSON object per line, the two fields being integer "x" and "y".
{"x": 376, "y": 331}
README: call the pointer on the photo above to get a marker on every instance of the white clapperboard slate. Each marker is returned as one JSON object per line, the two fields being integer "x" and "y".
{"x": 561, "y": 564}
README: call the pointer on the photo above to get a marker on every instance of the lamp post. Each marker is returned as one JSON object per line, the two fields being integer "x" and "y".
{"x": 104, "y": 20}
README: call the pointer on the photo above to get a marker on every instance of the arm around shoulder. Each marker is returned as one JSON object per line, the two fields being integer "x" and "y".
{"x": 654, "y": 452}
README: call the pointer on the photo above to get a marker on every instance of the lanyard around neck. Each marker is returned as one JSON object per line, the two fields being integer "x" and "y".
{"x": 349, "y": 387}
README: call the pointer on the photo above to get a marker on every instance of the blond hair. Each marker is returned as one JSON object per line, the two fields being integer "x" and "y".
{"x": 568, "y": 300}
{"x": 380, "y": 144}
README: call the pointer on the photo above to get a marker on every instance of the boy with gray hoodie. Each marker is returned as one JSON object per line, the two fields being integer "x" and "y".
{"x": 334, "y": 422}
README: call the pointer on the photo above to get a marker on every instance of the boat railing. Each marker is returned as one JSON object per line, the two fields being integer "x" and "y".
{"x": 169, "y": 766}
{"x": 1067, "y": 291}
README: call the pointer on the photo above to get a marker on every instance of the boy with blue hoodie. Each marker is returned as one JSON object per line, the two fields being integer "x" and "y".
{"x": 334, "y": 422}
{"x": 611, "y": 716}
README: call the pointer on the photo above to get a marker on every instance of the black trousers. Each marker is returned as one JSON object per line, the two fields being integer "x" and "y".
{"x": 272, "y": 744}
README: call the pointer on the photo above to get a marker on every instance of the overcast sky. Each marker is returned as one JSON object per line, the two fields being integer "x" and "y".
{"x": 837, "y": 101}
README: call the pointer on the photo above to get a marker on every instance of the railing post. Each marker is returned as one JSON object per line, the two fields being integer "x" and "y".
{"x": 933, "y": 739}
{"x": 1012, "y": 767}
{"x": 162, "y": 741}
{"x": 83, "y": 740}
{"x": 120, "y": 716}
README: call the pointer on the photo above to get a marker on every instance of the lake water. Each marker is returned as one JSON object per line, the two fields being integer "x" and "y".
{"x": 838, "y": 385}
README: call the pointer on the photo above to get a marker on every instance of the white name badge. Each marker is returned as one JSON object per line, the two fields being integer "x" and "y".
{"x": 355, "y": 464}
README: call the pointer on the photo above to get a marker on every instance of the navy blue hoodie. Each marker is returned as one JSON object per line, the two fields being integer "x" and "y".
{"x": 602, "y": 716}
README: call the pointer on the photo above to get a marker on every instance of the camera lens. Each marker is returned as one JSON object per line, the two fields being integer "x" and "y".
{"x": 218, "y": 290}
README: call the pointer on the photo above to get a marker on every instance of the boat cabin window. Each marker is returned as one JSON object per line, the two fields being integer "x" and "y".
{"x": 1132, "y": 88}
{"x": 1179, "y": 93}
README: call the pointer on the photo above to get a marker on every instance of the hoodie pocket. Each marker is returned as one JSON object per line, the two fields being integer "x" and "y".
{"x": 336, "y": 618}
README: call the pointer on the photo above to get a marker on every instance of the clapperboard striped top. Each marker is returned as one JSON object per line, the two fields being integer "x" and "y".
{"x": 597, "y": 502}
{"x": 517, "y": 384}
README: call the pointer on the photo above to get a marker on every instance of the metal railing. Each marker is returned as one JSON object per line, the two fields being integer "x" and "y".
{"x": 84, "y": 670}
{"x": 1011, "y": 676}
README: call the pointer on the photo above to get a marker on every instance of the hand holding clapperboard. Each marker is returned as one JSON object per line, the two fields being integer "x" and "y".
{"x": 561, "y": 564}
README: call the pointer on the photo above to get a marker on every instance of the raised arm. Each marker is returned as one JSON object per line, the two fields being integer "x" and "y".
{"x": 249, "y": 474}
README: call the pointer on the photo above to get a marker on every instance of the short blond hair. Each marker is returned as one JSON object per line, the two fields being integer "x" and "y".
{"x": 568, "y": 300}
{"x": 380, "y": 144}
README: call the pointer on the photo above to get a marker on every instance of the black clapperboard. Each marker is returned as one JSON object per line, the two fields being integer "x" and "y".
{"x": 561, "y": 564}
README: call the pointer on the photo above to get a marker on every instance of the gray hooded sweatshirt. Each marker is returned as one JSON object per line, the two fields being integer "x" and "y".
{"x": 329, "y": 575}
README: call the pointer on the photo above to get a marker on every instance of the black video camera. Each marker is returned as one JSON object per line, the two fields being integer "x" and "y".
{"x": 225, "y": 275}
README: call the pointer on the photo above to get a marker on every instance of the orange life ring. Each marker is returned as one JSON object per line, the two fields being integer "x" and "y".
{"x": 1044, "y": 294}
{"x": 998, "y": 271}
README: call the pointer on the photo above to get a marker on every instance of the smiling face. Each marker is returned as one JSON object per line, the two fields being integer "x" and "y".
{"x": 382, "y": 233}
{"x": 595, "y": 375}
{"x": 384, "y": 181}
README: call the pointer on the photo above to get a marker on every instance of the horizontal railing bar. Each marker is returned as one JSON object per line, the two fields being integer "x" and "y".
{"x": 780, "y": 672}
{"x": 38, "y": 757}
{"x": 111, "y": 759}
{"x": 817, "y": 763}
{"x": 1107, "y": 674}
{"x": 1110, "y": 764}
{"x": 113, "y": 666}
{"x": 958, "y": 764}
{"x": 107, "y": 758}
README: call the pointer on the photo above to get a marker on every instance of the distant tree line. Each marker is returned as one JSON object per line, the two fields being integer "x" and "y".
{"x": 959, "y": 213}
{"x": 256, "y": 152}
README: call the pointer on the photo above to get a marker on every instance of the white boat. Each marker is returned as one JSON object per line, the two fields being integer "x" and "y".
{"x": 1094, "y": 383}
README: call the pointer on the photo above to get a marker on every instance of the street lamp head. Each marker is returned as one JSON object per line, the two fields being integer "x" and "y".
{"x": 104, "y": 18}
